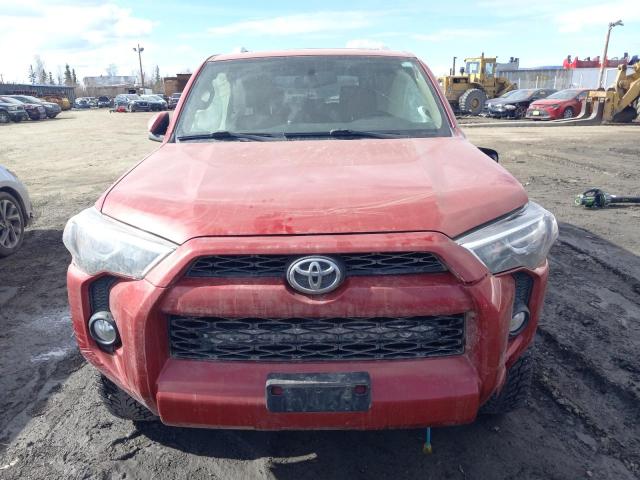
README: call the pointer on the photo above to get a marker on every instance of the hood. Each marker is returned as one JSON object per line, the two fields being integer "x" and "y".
{"x": 187, "y": 190}
{"x": 549, "y": 101}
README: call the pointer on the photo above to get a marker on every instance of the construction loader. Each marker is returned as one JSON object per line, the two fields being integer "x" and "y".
{"x": 618, "y": 104}
{"x": 477, "y": 82}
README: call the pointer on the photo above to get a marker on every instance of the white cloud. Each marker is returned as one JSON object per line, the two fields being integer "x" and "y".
{"x": 601, "y": 14}
{"x": 365, "y": 43}
{"x": 446, "y": 35}
{"x": 297, "y": 24}
{"x": 87, "y": 35}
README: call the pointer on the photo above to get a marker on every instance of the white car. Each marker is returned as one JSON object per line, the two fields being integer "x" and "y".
{"x": 15, "y": 212}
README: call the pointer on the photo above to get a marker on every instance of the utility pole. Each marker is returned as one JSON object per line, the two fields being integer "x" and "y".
{"x": 140, "y": 50}
{"x": 603, "y": 60}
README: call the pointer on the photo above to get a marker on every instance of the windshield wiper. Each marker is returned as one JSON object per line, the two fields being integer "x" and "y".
{"x": 347, "y": 133}
{"x": 226, "y": 135}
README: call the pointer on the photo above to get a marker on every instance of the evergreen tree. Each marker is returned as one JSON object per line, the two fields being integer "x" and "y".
{"x": 51, "y": 82}
{"x": 32, "y": 74}
{"x": 43, "y": 76}
{"x": 68, "y": 80}
{"x": 73, "y": 77}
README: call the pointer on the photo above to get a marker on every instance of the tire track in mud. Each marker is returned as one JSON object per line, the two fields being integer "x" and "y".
{"x": 588, "y": 341}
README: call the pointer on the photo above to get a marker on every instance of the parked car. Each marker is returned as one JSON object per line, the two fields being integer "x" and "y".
{"x": 563, "y": 104}
{"x": 104, "y": 102}
{"x": 173, "y": 100}
{"x": 12, "y": 112}
{"x": 514, "y": 104}
{"x": 237, "y": 279}
{"x": 62, "y": 102}
{"x": 93, "y": 102}
{"x": 156, "y": 104}
{"x": 51, "y": 109}
{"x": 35, "y": 111}
{"x": 15, "y": 212}
{"x": 82, "y": 103}
{"x": 132, "y": 102}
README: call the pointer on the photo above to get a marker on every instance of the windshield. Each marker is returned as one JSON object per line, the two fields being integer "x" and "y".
{"x": 153, "y": 98}
{"x": 508, "y": 94}
{"x": 11, "y": 100}
{"x": 519, "y": 95}
{"x": 132, "y": 96}
{"x": 313, "y": 94}
{"x": 565, "y": 94}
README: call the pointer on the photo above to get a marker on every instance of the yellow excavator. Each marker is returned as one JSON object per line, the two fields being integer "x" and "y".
{"x": 618, "y": 104}
{"x": 477, "y": 82}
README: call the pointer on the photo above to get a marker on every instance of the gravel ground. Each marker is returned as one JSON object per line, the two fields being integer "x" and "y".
{"x": 582, "y": 421}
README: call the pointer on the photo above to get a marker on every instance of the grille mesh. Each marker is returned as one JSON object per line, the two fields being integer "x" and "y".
{"x": 392, "y": 263}
{"x": 298, "y": 339}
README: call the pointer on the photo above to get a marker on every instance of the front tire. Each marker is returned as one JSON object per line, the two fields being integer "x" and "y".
{"x": 4, "y": 117}
{"x": 568, "y": 113}
{"x": 515, "y": 391}
{"x": 11, "y": 225}
{"x": 120, "y": 404}
{"x": 472, "y": 101}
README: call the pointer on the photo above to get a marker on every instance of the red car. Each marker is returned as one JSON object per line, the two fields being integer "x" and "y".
{"x": 315, "y": 245}
{"x": 562, "y": 104}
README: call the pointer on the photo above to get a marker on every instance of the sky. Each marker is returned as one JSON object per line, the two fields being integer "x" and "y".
{"x": 90, "y": 35}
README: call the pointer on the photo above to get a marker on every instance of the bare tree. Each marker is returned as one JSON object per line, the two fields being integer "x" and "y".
{"x": 112, "y": 70}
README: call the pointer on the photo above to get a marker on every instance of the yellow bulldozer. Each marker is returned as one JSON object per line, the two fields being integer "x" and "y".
{"x": 477, "y": 82}
{"x": 618, "y": 104}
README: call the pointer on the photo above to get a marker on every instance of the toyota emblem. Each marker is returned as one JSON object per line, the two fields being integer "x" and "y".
{"x": 315, "y": 275}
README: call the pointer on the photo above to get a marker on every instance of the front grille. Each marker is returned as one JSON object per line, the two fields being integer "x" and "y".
{"x": 323, "y": 339}
{"x": 391, "y": 263}
{"x": 99, "y": 293}
{"x": 523, "y": 287}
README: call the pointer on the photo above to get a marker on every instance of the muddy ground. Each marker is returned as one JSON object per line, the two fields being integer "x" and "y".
{"x": 582, "y": 421}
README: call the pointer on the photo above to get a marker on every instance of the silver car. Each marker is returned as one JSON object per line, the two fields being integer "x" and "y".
{"x": 15, "y": 212}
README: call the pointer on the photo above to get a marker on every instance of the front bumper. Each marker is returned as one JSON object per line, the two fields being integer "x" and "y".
{"x": 231, "y": 394}
{"x": 18, "y": 116}
{"x": 542, "y": 114}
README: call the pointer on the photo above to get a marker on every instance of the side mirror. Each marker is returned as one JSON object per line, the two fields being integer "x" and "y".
{"x": 157, "y": 126}
{"x": 489, "y": 152}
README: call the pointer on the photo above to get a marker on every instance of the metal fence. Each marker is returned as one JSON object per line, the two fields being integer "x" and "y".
{"x": 560, "y": 78}
{"x": 37, "y": 90}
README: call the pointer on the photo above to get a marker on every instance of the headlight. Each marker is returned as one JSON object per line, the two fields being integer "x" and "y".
{"x": 13, "y": 108}
{"x": 554, "y": 106}
{"x": 519, "y": 240}
{"x": 100, "y": 244}
{"x": 509, "y": 107}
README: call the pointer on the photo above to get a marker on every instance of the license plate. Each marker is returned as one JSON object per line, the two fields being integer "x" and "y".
{"x": 535, "y": 112}
{"x": 318, "y": 392}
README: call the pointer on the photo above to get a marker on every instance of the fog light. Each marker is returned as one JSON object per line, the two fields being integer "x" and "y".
{"x": 518, "y": 321}
{"x": 103, "y": 329}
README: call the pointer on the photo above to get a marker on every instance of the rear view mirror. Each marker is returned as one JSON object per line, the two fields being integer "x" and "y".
{"x": 157, "y": 126}
{"x": 489, "y": 152}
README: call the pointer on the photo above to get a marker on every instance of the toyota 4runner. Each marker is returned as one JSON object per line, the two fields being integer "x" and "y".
{"x": 314, "y": 245}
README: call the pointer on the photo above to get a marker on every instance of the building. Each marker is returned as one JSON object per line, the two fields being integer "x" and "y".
{"x": 175, "y": 84}
{"x": 109, "y": 85}
{"x": 38, "y": 90}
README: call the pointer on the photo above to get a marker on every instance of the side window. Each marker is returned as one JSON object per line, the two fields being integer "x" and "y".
{"x": 489, "y": 69}
{"x": 582, "y": 96}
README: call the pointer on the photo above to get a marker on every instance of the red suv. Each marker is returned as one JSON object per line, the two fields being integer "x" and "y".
{"x": 315, "y": 245}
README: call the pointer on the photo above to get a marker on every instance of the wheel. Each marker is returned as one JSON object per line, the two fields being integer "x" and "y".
{"x": 568, "y": 113}
{"x": 472, "y": 101}
{"x": 4, "y": 117}
{"x": 17, "y": 119}
{"x": 11, "y": 224}
{"x": 120, "y": 403}
{"x": 627, "y": 115}
{"x": 515, "y": 390}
